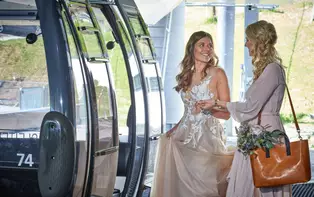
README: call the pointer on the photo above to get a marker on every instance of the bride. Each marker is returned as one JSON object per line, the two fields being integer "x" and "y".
{"x": 192, "y": 159}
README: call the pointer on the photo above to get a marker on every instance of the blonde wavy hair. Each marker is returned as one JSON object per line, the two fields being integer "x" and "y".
{"x": 184, "y": 78}
{"x": 263, "y": 37}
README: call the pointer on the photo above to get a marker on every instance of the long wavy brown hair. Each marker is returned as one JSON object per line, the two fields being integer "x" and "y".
{"x": 263, "y": 36}
{"x": 184, "y": 78}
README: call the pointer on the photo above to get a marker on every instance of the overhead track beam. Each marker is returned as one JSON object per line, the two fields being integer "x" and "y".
{"x": 211, "y": 4}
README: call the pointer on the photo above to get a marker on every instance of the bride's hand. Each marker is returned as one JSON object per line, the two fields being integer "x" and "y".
{"x": 197, "y": 109}
{"x": 206, "y": 104}
{"x": 170, "y": 132}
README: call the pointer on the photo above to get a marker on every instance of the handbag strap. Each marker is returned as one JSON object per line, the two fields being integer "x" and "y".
{"x": 293, "y": 113}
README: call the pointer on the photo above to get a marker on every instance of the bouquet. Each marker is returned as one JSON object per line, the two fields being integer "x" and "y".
{"x": 252, "y": 137}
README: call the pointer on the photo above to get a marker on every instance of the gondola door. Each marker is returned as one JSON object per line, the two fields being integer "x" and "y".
{"x": 154, "y": 102}
{"x": 85, "y": 25}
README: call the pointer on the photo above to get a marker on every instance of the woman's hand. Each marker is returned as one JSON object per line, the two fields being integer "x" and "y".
{"x": 169, "y": 133}
{"x": 197, "y": 109}
{"x": 206, "y": 104}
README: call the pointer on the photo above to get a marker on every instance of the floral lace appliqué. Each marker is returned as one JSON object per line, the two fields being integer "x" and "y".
{"x": 191, "y": 122}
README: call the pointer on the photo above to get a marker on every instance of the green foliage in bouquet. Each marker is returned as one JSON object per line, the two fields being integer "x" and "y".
{"x": 252, "y": 137}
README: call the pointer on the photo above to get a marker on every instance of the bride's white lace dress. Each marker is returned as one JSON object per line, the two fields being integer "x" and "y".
{"x": 194, "y": 161}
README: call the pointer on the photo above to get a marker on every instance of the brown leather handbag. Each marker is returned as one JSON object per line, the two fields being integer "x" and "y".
{"x": 285, "y": 164}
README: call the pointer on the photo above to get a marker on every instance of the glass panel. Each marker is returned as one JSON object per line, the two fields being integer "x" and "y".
{"x": 137, "y": 26}
{"x": 24, "y": 101}
{"x": 154, "y": 117}
{"x": 92, "y": 45}
{"x": 89, "y": 34}
{"x": 137, "y": 82}
{"x": 24, "y": 92}
{"x": 145, "y": 48}
{"x": 81, "y": 111}
{"x": 144, "y": 44}
{"x": 104, "y": 103}
{"x": 106, "y": 30}
{"x": 153, "y": 82}
{"x": 118, "y": 69}
{"x": 99, "y": 74}
{"x": 80, "y": 15}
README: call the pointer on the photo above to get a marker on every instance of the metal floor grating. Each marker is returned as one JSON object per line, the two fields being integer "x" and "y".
{"x": 298, "y": 190}
{"x": 303, "y": 190}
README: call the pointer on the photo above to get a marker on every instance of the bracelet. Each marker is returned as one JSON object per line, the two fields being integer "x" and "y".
{"x": 216, "y": 104}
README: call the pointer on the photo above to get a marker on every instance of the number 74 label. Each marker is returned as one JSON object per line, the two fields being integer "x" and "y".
{"x": 28, "y": 160}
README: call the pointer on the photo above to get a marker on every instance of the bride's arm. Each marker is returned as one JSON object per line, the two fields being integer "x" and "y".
{"x": 261, "y": 90}
{"x": 223, "y": 94}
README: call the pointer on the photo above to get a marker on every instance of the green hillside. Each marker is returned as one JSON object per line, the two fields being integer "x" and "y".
{"x": 16, "y": 56}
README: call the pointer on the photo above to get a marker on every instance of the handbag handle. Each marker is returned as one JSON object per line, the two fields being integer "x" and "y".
{"x": 287, "y": 143}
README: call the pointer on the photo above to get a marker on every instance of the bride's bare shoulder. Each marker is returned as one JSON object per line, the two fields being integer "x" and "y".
{"x": 216, "y": 72}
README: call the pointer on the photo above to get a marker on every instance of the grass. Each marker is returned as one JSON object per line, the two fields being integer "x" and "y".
{"x": 18, "y": 58}
{"x": 302, "y": 4}
{"x": 301, "y": 117}
{"x": 211, "y": 20}
{"x": 273, "y": 11}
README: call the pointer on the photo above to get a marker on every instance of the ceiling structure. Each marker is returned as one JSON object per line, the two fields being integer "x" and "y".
{"x": 154, "y": 10}
{"x": 151, "y": 10}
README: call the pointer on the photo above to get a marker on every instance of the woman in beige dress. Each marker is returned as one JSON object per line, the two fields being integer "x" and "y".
{"x": 192, "y": 160}
{"x": 265, "y": 95}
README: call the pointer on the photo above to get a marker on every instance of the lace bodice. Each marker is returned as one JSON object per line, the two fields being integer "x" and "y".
{"x": 195, "y": 123}
{"x": 197, "y": 92}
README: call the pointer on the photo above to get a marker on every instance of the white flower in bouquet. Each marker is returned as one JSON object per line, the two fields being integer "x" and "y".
{"x": 243, "y": 128}
{"x": 257, "y": 129}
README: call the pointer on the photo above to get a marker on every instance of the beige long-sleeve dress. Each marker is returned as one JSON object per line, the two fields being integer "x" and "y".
{"x": 266, "y": 92}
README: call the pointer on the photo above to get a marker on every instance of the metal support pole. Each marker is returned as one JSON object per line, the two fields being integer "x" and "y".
{"x": 225, "y": 39}
{"x": 166, "y": 45}
{"x": 174, "y": 105}
{"x": 251, "y": 16}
